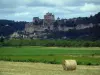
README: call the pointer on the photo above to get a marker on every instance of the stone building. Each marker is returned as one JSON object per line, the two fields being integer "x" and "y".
{"x": 48, "y": 19}
{"x": 36, "y": 20}
{"x": 35, "y": 25}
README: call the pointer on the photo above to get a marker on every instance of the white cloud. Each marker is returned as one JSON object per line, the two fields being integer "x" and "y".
{"x": 22, "y": 14}
{"x": 58, "y": 2}
{"x": 90, "y": 7}
{"x": 26, "y": 9}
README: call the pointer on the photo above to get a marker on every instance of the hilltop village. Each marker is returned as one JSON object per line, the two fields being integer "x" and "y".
{"x": 41, "y": 28}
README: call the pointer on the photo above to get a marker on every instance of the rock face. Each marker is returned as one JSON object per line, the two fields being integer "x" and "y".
{"x": 50, "y": 24}
{"x": 42, "y": 27}
{"x": 31, "y": 27}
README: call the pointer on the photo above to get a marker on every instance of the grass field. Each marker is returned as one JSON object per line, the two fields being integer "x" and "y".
{"x": 53, "y": 55}
{"x": 23, "y": 68}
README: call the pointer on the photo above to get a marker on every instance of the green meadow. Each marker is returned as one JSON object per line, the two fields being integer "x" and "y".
{"x": 53, "y": 55}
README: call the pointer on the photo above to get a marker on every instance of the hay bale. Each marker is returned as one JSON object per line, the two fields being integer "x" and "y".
{"x": 69, "y": 64}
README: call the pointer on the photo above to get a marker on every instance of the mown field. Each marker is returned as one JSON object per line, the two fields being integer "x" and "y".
{"x": 53, "y": 55}
{"x": 24, "y": 68}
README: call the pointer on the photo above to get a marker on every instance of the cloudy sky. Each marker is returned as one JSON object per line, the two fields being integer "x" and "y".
{"x": 24, "y": 10}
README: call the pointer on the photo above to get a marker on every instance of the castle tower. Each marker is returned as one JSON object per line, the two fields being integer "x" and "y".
{"x": 36, "y": 19}
{"x": 49, "y": 19}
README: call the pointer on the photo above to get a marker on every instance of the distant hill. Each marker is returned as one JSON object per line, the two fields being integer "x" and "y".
{"x": 7, "y": 27}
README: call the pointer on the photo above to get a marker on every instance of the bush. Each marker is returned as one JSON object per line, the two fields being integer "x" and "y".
{"x": 89, "y": 63}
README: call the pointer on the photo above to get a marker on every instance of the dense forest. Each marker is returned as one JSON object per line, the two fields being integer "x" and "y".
{"x": 7, "y": 27}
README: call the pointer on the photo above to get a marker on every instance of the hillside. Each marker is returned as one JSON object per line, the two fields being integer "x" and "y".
{"x": 81, "y": 28}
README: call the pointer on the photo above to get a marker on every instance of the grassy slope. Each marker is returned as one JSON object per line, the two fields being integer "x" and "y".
{"x": 51, "y": 54}
{"x": 19, "y": 68}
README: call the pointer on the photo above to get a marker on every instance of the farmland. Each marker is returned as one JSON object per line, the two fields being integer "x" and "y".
{"x": 53, "y": 55}
{"x": 24, "y": 68}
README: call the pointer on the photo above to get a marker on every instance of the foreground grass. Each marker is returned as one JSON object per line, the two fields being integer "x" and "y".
{"x": 22, "y": 68}
{"x": 53, "y": 55}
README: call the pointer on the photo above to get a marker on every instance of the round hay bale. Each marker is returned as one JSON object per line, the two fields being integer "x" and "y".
{"x": 69, "y": 64}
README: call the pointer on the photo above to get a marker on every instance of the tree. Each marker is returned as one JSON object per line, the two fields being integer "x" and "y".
{"x": 2, "y": 39}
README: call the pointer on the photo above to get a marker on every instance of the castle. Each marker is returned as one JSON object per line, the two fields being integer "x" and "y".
{"x": 41, "y": 24}
{"x": 41, "y": 27}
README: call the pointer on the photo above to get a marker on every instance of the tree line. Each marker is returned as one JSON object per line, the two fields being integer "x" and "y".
{"x": 53, "y": 43}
